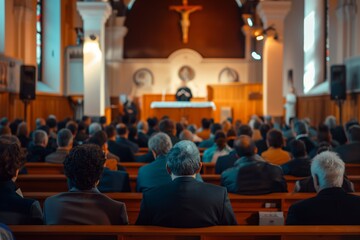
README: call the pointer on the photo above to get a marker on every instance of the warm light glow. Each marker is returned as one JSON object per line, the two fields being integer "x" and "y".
{"x": 255, "y": 56}
{"x": 309, "y": 31}
{"x": 260, "y": 37}
{"x": 309, "y": 77}
{"x": 92, "y": 49}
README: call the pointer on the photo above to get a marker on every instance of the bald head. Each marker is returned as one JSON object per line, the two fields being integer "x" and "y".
{"x": 245, "y": 146}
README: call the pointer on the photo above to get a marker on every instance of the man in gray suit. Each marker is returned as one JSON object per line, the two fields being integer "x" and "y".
{"x": 65, "y": 143}
{"x": 84, "y": 204}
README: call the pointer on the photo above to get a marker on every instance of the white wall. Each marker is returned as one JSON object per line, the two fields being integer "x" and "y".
{"x": 165, "y": 72}
{"x": 293, "y": 46}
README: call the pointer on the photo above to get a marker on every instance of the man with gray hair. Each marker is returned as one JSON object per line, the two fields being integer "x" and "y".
{"x": 65, "y": 143}
{"x": 332, "y": 205}
{"x": 37, "y": 151}
{"x": 154, "y": 174}
{"x": 93, "y": 128}
{"x": 185, "y": 202}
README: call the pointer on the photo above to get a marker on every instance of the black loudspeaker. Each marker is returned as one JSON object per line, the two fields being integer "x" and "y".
{"x": 338, "y": 82}
{"x": 27, "y": 82}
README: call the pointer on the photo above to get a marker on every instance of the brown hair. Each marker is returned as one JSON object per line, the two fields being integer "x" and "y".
{"x": 11, "y": 157}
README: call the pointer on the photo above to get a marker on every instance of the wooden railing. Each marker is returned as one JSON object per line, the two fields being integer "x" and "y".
{"x": 209, "y": 233}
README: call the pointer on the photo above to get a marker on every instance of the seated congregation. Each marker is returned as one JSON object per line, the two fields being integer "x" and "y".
{"x": 250, "y": 159}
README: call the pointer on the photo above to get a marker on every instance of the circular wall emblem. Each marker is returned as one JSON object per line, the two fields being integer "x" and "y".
{"x": 186, "y": 73}
{"x": 228, "y": 75}
{"x": 143, "y": 77}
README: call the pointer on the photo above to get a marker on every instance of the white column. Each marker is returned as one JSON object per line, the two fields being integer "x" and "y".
{"x": 273, "y": 13}
{"x": 94, "y": 15}
{"x": 115, "y": 34}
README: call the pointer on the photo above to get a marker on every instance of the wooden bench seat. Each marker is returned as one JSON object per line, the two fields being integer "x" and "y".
{"x": 72, "y": 232}
{"x": 44, "y": 168}
{"x": 245, "y": 207}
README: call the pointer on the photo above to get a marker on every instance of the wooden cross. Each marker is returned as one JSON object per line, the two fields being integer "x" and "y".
{"x": 185, "y": 10}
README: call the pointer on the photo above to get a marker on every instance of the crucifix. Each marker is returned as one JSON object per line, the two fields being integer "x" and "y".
{"x": 185, "y": 10}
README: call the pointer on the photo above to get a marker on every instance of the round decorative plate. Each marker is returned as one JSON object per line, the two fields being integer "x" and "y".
{"x": 228, "y": 75}
{"x": 186, "y": 73}
{"x": 143, "y": 77}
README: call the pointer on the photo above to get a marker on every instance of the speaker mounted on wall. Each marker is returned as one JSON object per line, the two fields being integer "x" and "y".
{"x": 27, "y": 82}
{"x": 338, "y": 82}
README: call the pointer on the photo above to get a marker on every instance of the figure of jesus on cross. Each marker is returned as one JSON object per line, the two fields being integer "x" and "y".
{"x": 185, "y": 10}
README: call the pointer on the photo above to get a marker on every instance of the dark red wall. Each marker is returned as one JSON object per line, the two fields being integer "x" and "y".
{"x": 154, "y": 31}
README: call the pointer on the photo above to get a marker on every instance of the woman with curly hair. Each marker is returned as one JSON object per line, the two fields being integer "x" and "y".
{"x": 14, "y": 209}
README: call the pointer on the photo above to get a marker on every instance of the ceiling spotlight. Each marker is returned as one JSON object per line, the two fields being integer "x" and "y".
{"x": 255, "y": 55}
{"x": 260, "y": 37}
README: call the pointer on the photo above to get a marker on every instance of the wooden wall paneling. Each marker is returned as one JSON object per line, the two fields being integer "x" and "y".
{"x": 317, "y": 108}
{"x": 44, "y": 105}
{"x": 244, "y": 99}
{"x": 4, "y": 104}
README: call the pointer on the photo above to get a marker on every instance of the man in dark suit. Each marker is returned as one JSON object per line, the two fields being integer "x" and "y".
{"x": 332, "y": 205}
{"x": 262, "y": 144}
{"x": 65, "y": 143}
{"x": 143, "y": 138}
{"x": 185, "y": 202}
{"x": 167, "y": 126}
{"x": 37, "y": 150}
{"x": 114, "y": 181}
{"x": 84, "y": 204}
{"x": 122, "y": 137}
{"x": 302, "y": 133}
{"x": 14, "y": 209}
{"x": 251, "y": 174}
{"x": 154, "y": 174}
{"x": 122, "y": 151}
{"x": 299, "y": 166}
{"x": 228, "y": 161}
{"x": 350, "y": 152}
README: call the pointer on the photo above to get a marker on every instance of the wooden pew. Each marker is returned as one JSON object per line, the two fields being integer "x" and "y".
{"x": 245, "y": 207}
{"x": 72, "y": 232}
{"x": 57, "y": 183}
{"x": 44, "y": 168}
{"x": 42, "y": 183}
{"x": 352, "y": 169}
{"x": 208, "y": 168}
{"x": 143, "y": 150}
{"x": 132, "y": 167}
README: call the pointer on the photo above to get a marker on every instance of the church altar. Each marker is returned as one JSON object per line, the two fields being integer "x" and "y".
{"x": 183, "y": 105}
{"x": 192, "y": 111}
{"x": 243, "y": 100}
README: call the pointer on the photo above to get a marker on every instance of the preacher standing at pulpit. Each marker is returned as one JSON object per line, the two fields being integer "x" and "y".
{"x": 183, "y": 93}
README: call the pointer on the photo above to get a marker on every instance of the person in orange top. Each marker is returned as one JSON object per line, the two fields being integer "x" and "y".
{"x": 205, "y": 132}
{"x": 275, "y": 154}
